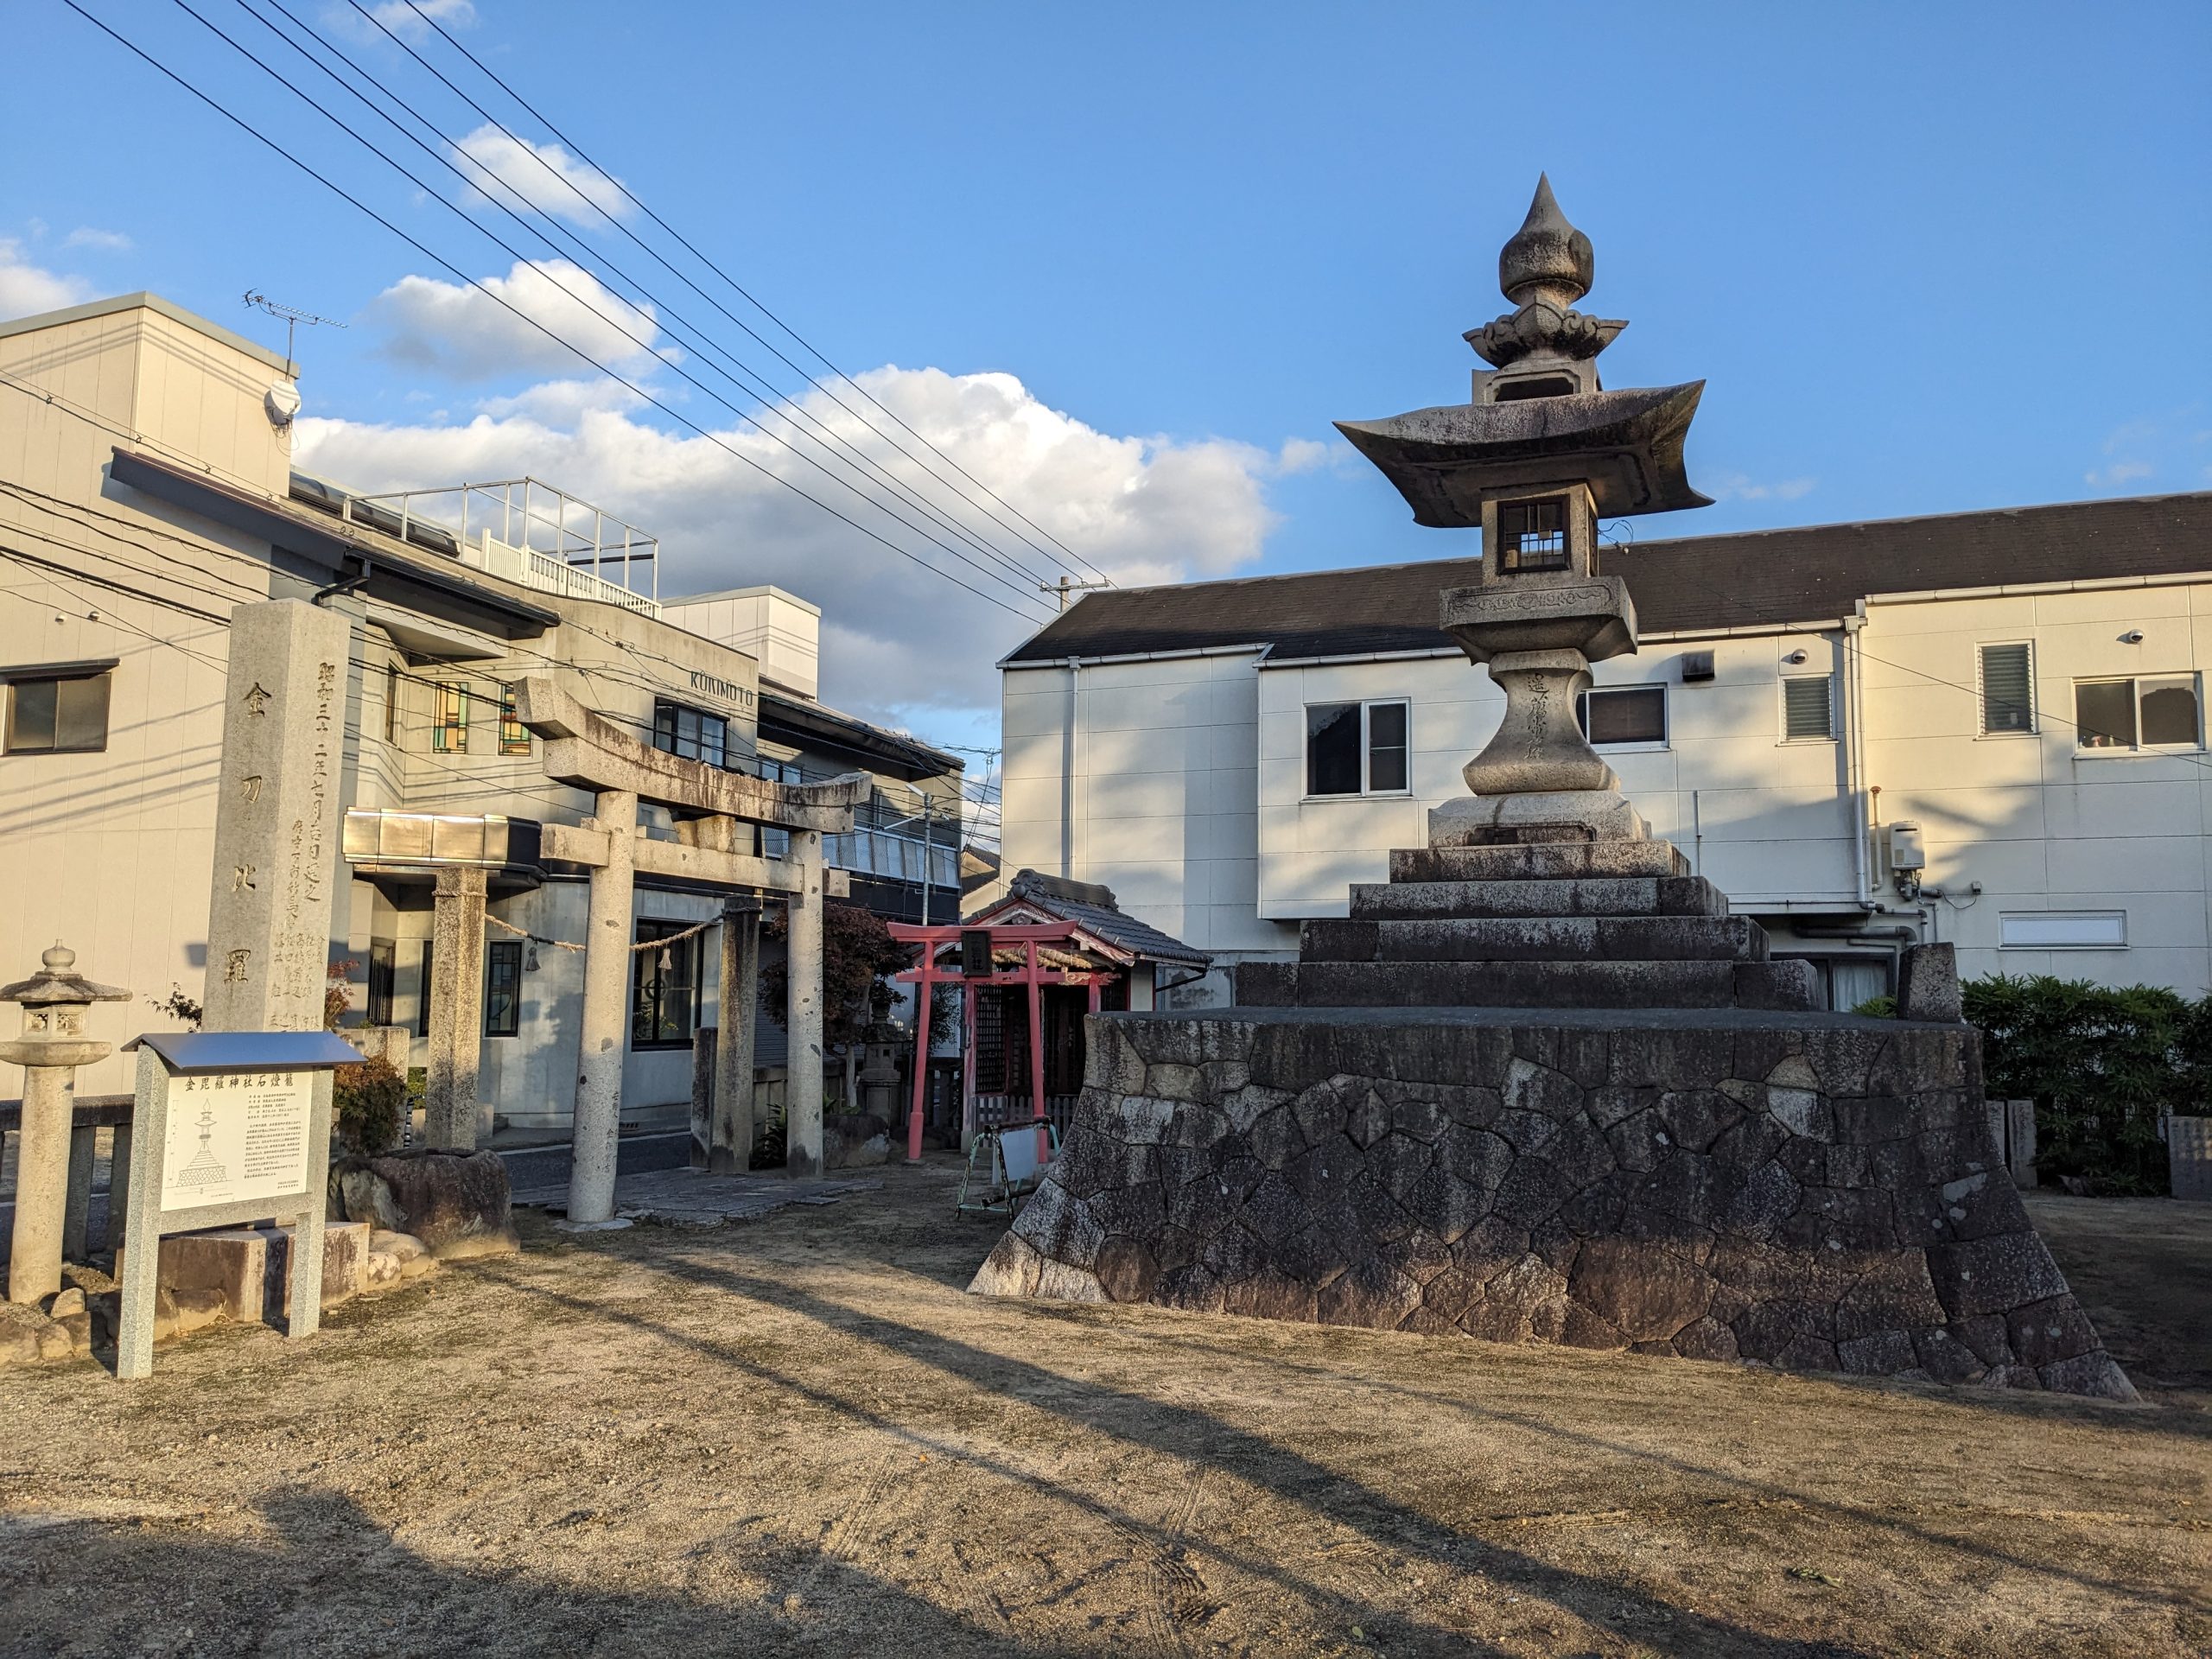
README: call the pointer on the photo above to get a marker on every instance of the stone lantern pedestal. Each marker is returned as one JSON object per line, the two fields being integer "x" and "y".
{"x": 52, "y": 1046}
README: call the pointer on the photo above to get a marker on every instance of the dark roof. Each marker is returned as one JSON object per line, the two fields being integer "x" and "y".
{"x": 1091, "y": 907}
{"x": 805, "y": 723}
{"x": 1806, "y": 575}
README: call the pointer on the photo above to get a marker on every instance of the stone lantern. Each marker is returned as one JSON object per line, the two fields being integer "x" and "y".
{"x": 52, "y": 1046}
{"x": 880, "y": 1042}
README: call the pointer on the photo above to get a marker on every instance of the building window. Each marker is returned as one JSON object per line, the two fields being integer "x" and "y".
{"x": 514, "y": 736}
{"x": 2138, "y": 714}
{"x": 663, "y": 987}
{"x": 64, "y": 714}
{"x": 776, "y": 843}
{"x": 391, "y": 702}
{"x": 1532, "y": 535}
{"x": 1634, "y": 713}
{"x": 1356, "y": 748}
{"x": 422, "y": 994}
{"x": 1808, "y": 709}
{"x": 2008, "y": 703}
{"x": 692, "y": 733}
{"x": 2063, "y": 930}
{"x": 382, "y": 976}
{"x": 502, "y": 988}
{"x": 449, "y": 731}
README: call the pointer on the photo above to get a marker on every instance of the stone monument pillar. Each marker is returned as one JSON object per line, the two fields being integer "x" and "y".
{"x": 730, "y": 1145}
{"x": 449, "y": 1108}
{"x": 607, "y": 995}
{"x": 52, "y": 1046}
{"x": 276, "y": 818}
{"x": 802, "y": 1021}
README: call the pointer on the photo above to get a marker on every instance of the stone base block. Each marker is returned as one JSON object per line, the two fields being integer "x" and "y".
{"x": 345, "y": 1266}
{"x": 1810, "y": 1192}
{"x": 1541, "y": 861}
{"x": 1583, "y": 895}
{"x": 456, "y": 1203}
{"x": 1551, "y": 816}
{"x": 1532, "y": 984}
{"x": 1537, "y": 939}
{"x": 234, "y": 1263}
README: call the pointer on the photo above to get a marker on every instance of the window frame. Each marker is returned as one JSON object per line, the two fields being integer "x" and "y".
{"x": 655, "y": 928}
{"x": 1826, "y": 680}
{"x": 1982, "y": 648}
{"x": 56, "y": 676}
{"x": 1366, "y": 791}
{"x": 497, "y": 953}
{"x": 1629, "y": 745}
{"x": 668, "y": 725}
{"x": 449, "y": 718}
{"x": 2029, "y": 919}
{"x": 514, "y": 736}
{"x": 2137, "y": 683}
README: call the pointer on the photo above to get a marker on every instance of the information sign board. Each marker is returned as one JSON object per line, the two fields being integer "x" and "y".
{"x": 229, "y": 1127}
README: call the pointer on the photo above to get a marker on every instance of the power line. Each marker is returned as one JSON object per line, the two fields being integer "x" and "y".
{"x": 642, "y": 344}
{"x": 456, "y": 271}
{"x": 685, "y": 242}
{"x": 563, "y": 244}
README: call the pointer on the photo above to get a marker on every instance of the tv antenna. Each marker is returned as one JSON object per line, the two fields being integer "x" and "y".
{"x": 1065, "y": 587}
{"x": 292, "y": 317}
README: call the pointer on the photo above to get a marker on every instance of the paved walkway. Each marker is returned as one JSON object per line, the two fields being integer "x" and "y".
{"x": 691, "y": 1197}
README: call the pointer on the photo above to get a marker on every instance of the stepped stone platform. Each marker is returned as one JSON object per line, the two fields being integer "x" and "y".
{"x": 1555, "y": 1092}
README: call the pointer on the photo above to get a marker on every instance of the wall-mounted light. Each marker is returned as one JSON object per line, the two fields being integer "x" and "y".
{"x": 530, "y": 957}
{"x": 2132, "y": 636}
{"x": 1795, "y": 656}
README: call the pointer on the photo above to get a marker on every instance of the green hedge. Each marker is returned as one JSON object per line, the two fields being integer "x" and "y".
{"x": 2102, "y": 1064}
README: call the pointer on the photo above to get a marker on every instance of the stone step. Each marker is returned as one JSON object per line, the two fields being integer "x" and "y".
{"x": 1547, "y": 938}
{"x": 1539, "y": 860}
{"x": 1770, "y": 985}
{"x": 1582, "y": 895}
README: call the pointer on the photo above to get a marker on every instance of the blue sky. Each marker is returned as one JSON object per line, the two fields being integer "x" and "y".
{"x": 1928, "y": 259}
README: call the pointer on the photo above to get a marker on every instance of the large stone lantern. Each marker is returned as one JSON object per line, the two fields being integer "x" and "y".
{"x": 52, "y": 1046}
{"x": 1535, "y": 462}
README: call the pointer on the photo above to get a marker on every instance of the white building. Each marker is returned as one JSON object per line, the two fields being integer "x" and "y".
{"x": 147, "y": 487}
{"x": 2014, "y": 697}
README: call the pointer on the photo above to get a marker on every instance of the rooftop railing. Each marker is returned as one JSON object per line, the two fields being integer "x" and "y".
{"x": 527, "y": 531}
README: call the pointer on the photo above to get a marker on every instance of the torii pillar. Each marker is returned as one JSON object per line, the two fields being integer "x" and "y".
{"x": 585, "y": 752}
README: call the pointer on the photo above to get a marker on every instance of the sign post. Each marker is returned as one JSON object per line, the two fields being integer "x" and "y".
{"x": 230, "y": 1127}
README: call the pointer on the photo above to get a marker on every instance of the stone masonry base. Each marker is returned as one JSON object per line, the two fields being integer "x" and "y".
{"x": 1814, "y": 1192}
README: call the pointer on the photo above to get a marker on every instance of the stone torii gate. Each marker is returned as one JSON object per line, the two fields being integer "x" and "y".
{"x": 587, "y": 751}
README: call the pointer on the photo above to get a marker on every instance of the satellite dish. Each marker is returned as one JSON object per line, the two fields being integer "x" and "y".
{"x": 283, "y": 402}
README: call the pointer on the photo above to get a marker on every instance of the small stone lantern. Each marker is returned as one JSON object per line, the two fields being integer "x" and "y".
{"x": 52, "y": 1046}
{"x": 881, "y": 1042}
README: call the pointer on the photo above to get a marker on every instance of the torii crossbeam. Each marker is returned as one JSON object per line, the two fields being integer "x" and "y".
{"x": 587, "y": 751}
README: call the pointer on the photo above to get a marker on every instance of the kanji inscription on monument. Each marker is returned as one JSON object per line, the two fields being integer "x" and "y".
{"x": 276, "y": 818}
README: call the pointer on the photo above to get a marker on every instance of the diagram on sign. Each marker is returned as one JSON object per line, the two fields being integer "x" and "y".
{"x": 205, "y": 1166}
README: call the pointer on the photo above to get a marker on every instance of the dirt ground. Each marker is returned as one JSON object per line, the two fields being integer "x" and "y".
{"x": 799, "y": 1436}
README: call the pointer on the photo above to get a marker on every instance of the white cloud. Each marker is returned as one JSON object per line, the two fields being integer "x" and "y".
{"x": 561, "y": 403}
{"x": 27, "y": 290}
{"x": 546, "y": 176}
{"x": 898, "y": 642}
{"x": 1735, "y": 486}
{"x": 400, "y": 18}
{"x": 106, "y": 241}
{"x": 2120, "y": 471}
{"x": 466, "y": 335}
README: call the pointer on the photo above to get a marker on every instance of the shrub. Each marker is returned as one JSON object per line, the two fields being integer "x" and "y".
{"x": 769, "y": 1147}
{"x": 365, "y": 1101}
{"x": 2102, "y": 1064}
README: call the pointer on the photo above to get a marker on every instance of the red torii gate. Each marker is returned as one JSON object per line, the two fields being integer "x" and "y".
{"x": 925, "y": 977}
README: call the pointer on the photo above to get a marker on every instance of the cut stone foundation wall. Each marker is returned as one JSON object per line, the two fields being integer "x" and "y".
{"x": 1806, "y": 1192}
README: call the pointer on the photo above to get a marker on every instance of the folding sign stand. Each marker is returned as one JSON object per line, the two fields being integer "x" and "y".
{"x": 231, "y": 1127}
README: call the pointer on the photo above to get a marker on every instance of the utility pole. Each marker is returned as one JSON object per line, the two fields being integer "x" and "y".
{"x": 1065, "y": 587}
{"x": 292, "y": 318}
